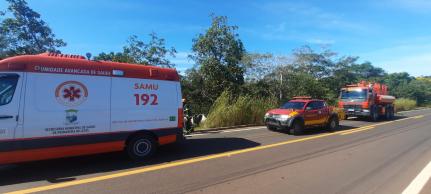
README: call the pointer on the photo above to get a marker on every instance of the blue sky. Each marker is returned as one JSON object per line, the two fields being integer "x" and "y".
{"x": 392, "y": 34}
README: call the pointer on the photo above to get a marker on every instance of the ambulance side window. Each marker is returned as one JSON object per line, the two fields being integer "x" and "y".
{"x": 7, "y": 87}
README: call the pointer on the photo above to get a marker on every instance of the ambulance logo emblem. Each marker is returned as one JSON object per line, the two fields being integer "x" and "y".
{"x": 71, "y": 116}
{"x": 71, "y": 93}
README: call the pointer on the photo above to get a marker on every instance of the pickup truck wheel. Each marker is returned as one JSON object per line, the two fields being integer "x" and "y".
{"x": 271, "y": 128}
{"x": 141, "y": 147}
{"x": 297, "y": 128}
{"x": 333, "y": 124}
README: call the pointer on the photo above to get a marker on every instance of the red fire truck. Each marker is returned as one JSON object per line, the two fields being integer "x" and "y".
{"x": 364, "y": 99}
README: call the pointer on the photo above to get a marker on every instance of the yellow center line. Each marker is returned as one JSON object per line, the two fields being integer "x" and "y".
{"x": 357, "y": 130}
{"x": 187, "y": 161}
{"x": 420, "y": 116}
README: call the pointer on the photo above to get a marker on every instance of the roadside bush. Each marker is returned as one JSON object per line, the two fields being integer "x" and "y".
{"x": 403, "y": 104}
{"x": 230, "y": 111}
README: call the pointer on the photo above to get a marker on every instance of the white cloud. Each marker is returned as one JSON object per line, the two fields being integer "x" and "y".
{"x": 293, "y": 21}
{"x": 423, "y": 6}
{"x": 416, "y": 64}
{"x": 182, "y": 61}
{"x": 181, "y": 58}
{"x": 311, "y": 15}
{"x": 321, "y": 41}
{"x": 413, "y": 57}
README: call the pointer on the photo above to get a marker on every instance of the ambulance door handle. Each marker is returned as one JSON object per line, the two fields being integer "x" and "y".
{"x": 6, "y": 117}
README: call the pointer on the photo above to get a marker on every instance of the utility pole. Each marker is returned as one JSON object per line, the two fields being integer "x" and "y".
{"x": 281, "y": 85}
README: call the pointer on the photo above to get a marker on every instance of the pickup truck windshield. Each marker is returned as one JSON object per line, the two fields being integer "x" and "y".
{"x": 7, "y": 87}
{"x": 293, "y": 105}
{"x": 354, "y": 94}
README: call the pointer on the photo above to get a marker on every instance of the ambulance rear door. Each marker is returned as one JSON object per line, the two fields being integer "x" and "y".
{"x": 143, "y": 104}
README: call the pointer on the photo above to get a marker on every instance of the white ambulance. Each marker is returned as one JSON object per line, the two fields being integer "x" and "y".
{"x": 54, "y": 105}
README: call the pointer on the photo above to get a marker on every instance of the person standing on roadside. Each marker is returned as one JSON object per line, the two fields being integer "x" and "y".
{"x": 188, "y": 123}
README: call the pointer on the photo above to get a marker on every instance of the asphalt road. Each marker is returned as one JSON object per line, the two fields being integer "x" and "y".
{"x": 363, "y": 157}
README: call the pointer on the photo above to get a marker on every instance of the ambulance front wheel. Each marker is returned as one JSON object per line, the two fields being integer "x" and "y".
{"x": 141, "y": 147}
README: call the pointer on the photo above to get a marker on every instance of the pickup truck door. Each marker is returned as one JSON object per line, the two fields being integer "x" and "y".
{"x": 10, "y": 91}
{"x": 322, "y": 111}
{"x": 311, "y": 114}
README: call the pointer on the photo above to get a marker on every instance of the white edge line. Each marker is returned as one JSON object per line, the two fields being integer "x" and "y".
{"x": 225, "y": 131}
{"x": 249, "y": 129}
{"x": 420, "y": 181}
{"x": 414, "y": 110}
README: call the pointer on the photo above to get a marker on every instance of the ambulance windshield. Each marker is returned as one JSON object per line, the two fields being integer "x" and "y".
{"x": 7, "y": 87}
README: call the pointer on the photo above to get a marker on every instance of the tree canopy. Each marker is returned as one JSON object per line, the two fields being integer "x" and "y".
{"x": 137, "y": 51}
{"x": 25, "y": 32}
{"x": 218, "y": 53}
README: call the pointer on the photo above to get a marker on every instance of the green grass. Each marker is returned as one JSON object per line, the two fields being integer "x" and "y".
{"x": 228, "y": 111}
{"x": 403, "y": 104}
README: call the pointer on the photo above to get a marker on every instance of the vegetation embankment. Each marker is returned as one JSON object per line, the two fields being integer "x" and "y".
{"x": 404, "y": 104}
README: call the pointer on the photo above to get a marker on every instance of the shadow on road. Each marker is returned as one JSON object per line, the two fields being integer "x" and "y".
{"x": 380, "y": 120}
{"x": 343, "y": 126}
{"x": 63, "y": 170}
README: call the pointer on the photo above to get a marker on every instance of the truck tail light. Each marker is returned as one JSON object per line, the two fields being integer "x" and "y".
{"x": 180, "y": 118}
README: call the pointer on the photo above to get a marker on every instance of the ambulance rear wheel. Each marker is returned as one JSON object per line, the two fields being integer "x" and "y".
{"x": 141, "y": 147}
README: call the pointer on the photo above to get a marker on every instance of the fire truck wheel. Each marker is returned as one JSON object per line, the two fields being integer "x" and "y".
{"x": 297, "y": 128}
{"x": 374, "y": 114}
{"x": 392, "y": 113}
{"x": 333, "y": 123}
{"x": 388, "y": 113}
{"x": 141, "y": 147}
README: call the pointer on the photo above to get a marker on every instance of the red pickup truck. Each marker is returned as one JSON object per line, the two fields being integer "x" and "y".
{"x": 300, "y": 113}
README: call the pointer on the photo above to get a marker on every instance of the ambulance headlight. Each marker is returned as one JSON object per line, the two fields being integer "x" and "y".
{"x": 266, "y": 114}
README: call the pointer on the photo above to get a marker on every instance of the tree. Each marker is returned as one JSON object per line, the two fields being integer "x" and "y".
{"x": 318, "y": 65}
{"x": 137, "y": 51}
{"x": 25, "y": 32}
{"x": 218, "y": 53}
{"x": 403, "y": 85}
{"x": 192, "y": 90}
{"x": 295, "y": 83}
{"x": 258, "y": 65}
{"x": 367, "y": 71}
{"x": 116, "y": 57}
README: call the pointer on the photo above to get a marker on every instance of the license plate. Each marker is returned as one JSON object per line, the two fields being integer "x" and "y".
{"x": 351, "y": 110}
